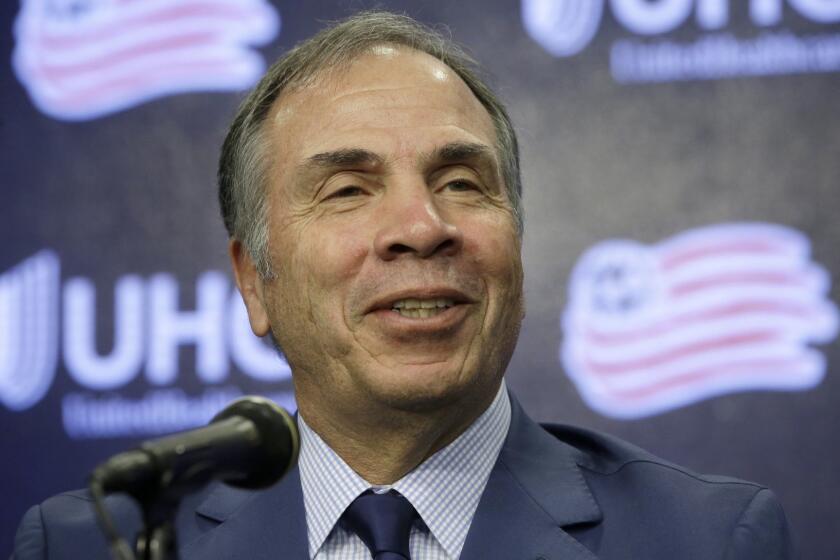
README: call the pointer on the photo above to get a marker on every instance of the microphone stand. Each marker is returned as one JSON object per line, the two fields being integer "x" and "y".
{"x": 158, "y": 497}
{"x": 250, "y": 444}
{"x": 157, "y": 540}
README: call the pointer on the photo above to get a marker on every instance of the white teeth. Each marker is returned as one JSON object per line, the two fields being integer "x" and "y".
{"x": 420, "y": 313}
{"x": 412, "y": 307}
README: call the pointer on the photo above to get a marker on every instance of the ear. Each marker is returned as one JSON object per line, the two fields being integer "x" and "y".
{"x": 251, "y": 286}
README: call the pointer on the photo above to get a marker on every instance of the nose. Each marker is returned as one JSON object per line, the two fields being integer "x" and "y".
{"x": 410, "y": 223}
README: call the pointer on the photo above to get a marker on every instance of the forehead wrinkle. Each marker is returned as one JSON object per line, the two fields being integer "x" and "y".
{"x": 391, "y": 107}
{"x": 352, "y": 97}
{"x": 351, "y": 104}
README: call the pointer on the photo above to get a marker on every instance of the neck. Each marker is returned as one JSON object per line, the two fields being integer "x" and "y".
{"x": 384, "y": 445}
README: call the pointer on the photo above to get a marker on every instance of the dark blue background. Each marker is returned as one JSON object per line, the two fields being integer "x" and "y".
{"x": 134, "y": 193}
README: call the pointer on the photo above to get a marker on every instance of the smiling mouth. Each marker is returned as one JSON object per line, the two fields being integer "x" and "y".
{"x": 421, "y": 308}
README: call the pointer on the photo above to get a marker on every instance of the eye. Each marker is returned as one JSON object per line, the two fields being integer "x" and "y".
{"x": 460, "y": 185}
{"x": 347, "y": 192}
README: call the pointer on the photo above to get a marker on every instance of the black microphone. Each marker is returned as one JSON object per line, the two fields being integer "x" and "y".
{"x": 250, "y": 444}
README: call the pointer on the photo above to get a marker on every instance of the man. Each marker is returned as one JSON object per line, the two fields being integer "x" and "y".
{"x": 370, "y": 186}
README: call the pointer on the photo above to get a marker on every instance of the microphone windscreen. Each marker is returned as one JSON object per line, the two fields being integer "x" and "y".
{"x": 277, "y": 451}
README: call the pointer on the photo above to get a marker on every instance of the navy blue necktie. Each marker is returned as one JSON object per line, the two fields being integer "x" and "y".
{"x": 383, "y": 522}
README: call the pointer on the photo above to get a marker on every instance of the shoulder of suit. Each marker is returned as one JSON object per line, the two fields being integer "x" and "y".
{"x": 606, "y": 455}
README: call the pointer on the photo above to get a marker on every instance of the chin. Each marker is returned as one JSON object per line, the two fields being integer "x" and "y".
{"x": 427, "y": 388}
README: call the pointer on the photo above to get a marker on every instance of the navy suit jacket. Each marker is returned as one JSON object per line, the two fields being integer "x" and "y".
{"x": 555, "y": 493}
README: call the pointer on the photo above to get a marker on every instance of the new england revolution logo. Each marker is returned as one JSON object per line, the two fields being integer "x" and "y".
{"x": 710, "y": 311}
{"x": 29, "y": 296}
{"x": 83, "y": 59}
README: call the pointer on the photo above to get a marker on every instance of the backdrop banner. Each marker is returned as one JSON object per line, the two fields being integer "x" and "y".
{"x": 681, "y": 186}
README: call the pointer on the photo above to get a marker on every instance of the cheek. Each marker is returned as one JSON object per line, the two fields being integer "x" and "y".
{"x": 314, "y": 272}
{"x": 337, "y": 255}
{"x": 495, "y": 252}
{"x": 496, "y": 256}
{"x": 324, "y": 262}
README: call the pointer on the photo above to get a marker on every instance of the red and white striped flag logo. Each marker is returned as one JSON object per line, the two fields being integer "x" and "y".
{"x": 710, "y": 311}
{"x": 82, "y": 59}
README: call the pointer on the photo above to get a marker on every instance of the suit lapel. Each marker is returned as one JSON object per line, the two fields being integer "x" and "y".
{"x": 535, "y": 490}
{"x": 252, "y": 525}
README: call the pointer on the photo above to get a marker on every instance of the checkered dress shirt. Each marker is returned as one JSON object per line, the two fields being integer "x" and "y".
{"x": 444, "y": 489}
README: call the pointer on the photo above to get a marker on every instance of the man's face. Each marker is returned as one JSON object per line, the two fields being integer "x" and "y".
{"x": 398, "y": 279}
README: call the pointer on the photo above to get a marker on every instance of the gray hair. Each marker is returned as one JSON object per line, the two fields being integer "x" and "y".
{"x": 243, "y": 162}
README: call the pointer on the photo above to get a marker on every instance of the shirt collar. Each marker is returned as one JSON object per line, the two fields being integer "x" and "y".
{"x": 445, "y": 489}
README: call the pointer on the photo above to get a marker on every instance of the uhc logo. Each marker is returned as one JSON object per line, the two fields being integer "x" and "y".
{"x": 28, "y": 330}
{"x": 82, "y": 59}
{"x": 562, "y": 27}
{"x": 36, "y": 312}
{"x": 710, "y": 311}
{"x": 565, "y": 28}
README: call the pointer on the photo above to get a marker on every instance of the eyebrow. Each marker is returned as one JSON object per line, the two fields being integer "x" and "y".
{"x": 461, "y": 151}
{"x": 454, "y": 152}
{"x": 348, "y": 157}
